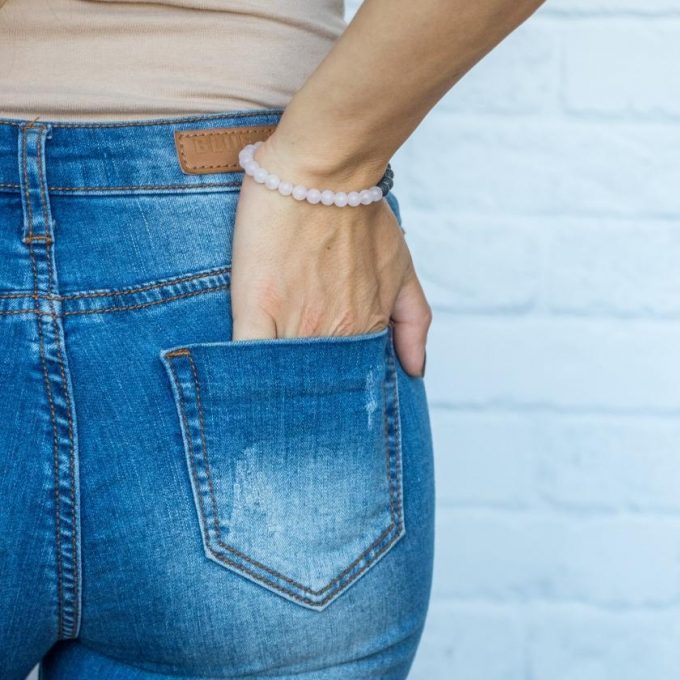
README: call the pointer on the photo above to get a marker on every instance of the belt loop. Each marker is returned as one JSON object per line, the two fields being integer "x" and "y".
{"x": 37, "y": 222}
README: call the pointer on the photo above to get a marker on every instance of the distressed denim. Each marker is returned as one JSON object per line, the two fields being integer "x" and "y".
{"x": 174, "y": 503}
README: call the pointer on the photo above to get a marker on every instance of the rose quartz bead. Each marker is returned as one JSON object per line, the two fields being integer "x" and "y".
{"x": 251, "y": 167}
{"x": 299, "y": 192}
{"x": 313, "y": 196}
{"x": 376, "y": 193}
{"x": 272, "y": 181}
{"x": 340, "y": 199}
{"x": 327, "y": 197}
{"x": 353, "y": 198}
{"x": 365, "y": 196}
{"x": 285, "y": 188}
{"x": 260, "y": 175}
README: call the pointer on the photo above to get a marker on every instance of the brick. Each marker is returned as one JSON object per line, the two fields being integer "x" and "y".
{"x": 485, "y": 459}
{"x": 589, "y": 463}
{"x": 582, "y": 643}
{"x": 475, "y": 264}
{"x": 594, "y": 463}
{"x": 499, "y": 83}
{"x": 554, "y": 363}
{"x": 609, "y": 8}
{"x": 633, "y": 68}
{"x": 613, "y": 267}
{"x": 547, "y": 167}
{"x": 618, "y": 561}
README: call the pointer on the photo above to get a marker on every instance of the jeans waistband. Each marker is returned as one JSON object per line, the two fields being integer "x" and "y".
{"x": 109, "y": 156}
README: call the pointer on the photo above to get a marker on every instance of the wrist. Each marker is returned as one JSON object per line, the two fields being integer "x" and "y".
{"x": 252, "y": 166}
{"x": 319, "y": 163}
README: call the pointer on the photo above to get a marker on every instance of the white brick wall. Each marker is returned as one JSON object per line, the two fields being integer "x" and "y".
{"x": 547, "y": 237}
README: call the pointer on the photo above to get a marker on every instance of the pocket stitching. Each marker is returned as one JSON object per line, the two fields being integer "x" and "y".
{"x": 396, "y": 516}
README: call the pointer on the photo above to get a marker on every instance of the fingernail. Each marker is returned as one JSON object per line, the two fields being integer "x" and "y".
{"x": 422, "y": 375}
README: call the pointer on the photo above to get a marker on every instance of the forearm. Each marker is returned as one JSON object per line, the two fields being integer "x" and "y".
{"x": 392, "y": 64}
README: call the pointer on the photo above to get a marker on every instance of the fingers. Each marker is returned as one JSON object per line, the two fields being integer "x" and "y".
{"x": 411, "y": 318}
{"x": 253, "y": 324}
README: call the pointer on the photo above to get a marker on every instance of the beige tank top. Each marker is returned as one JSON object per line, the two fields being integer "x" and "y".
{"x": 128, "y": 59}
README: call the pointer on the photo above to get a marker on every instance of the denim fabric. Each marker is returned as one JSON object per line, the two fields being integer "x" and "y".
{"x": 174, "y": 503}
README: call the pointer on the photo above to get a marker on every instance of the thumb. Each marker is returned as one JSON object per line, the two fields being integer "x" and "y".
{"x": 411, "y": 318}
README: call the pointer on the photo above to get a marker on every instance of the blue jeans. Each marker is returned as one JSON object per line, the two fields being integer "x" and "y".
{"x": 175, "y": 504}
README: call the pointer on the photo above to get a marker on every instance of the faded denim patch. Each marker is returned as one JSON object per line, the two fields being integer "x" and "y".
{"x": 293, "y": 448}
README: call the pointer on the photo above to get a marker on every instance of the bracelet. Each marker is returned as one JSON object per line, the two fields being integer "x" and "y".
{"x": 300, "y": 192}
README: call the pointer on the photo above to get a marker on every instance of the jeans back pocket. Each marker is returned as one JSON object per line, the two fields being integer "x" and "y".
{"x": 293, "y": 448}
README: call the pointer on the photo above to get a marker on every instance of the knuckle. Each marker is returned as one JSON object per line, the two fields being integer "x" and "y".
{"x": 310, "y": 321}
{"x": 347, "y": 322}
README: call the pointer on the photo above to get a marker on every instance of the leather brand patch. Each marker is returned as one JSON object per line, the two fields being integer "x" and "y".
{"x": 201, "y": 152}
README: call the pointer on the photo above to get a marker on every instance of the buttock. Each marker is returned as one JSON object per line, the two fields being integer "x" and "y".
{"x": 197, "y": 507}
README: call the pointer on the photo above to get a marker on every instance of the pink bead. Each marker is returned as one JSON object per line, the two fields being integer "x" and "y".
{"x": 272, "y": 181}
{"x": 285, "y": 188}
{"x": 246, "y": 159}
{"x": 260, "y": 175}
{"x": 299, "y": 192}
{"x": 353, "y": 198}
{"x": 313, "y": 196}
{"x": 251, "y": 167}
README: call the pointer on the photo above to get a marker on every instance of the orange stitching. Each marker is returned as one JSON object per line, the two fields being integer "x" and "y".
{"x": 115, "y": 309}
{"x": 38, "y": 237}
{"x": 295, "y": 596}
{"x": 122, "y": 291}
{"x": 27, "y": 195}
{"x": 178, "y": 353}
{"x": 67, "y": 396}
{"x": 125, "y": 308}
{"x": 172, "y": 187}
{"x": 388, "y": 461}
{"x": 201, "y": 419}
{"x": 230, "y": 131}
{"x": 55, "y": 451}
{"x": 149, "y": 286}
{"x": 397, "y": 436}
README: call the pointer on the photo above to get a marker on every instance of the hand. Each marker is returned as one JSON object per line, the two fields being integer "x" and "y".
{"x": 312, "y": 270}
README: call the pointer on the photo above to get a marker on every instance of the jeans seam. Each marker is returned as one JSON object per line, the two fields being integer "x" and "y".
{"x": 173, "y": 187}
{"x": 150, "y": 303}
{"x": 118, "y": 292}
{"x": 123, "y": 308}
{"x": 24, "y": 168}
{"x": 67, "y": 395}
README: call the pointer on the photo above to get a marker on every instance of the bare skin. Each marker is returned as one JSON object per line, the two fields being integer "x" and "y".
{"x": 302, "y": 270}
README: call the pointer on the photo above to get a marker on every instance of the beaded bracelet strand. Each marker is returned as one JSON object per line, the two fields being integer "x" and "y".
{"x": 302, "y": 193}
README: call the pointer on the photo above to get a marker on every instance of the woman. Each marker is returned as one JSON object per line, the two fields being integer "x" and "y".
{"x": 216, "y": 453}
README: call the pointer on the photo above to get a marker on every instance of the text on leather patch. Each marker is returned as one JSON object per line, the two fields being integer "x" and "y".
{"x": 201, "y": 152}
